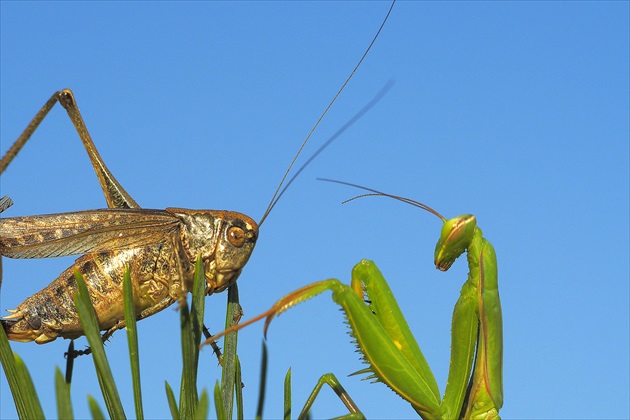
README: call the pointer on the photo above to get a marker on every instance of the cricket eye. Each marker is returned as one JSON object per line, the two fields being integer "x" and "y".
{"x": 236, "y": 236}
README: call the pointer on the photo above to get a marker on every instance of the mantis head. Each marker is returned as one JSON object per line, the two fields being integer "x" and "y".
{"x": 457, "y": 233}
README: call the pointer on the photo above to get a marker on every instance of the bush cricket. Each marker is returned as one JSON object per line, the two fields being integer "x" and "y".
{"x": 159, "y": 247}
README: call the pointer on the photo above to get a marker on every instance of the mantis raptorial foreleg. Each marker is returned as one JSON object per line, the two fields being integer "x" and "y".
{"x": 474, "y": 388}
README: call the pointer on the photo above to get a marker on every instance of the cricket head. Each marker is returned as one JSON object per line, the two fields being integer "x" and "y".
{"x": 224, "y": 239}
{"x": 237, "y": 239}
{"x": 457, "y": 234}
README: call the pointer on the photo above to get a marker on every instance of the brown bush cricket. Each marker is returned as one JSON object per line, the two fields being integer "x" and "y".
{"x": 159, "y": 247}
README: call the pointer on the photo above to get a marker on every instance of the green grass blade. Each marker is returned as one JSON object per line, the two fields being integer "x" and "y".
{"x": 87, "y": 316}
{"x": 95, "y": 410}
{"x": 172, "y": 403}
{"x": 198, "y": 306}
{"x": 263, "y": 381}
{"x": 238, "y": 385}
{"x": 188, "y": 387}
{"x": 23, "y": 402}
{"x": 64, "y": 404}
{"x": 287, "y": 395}
{"x": 191, "y": 325}
{"x": 218, "y": 402}
{"x": 26, "y": 383}
{"x": 201, "y": 412}
{"x": 132, "y": 339}
{"x": 233, "y": 315}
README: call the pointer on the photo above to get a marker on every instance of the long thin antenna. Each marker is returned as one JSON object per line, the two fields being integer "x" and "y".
{"x": 277, "y": 193}
{"x": 377, "y": 193}
{"x": 337, "y": 134}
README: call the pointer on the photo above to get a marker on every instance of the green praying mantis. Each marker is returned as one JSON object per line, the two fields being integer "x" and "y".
{"x": 474, "y": 389}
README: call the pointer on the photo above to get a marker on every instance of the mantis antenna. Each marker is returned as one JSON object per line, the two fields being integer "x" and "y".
{"x": 279, "y": 191}
{"x": 377, "y": 193}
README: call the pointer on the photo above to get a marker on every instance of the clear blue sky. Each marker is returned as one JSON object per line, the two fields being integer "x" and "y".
{"x": 516, "y": 112}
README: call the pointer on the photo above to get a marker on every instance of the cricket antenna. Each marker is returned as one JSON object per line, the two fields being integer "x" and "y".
{"x": 279, "y": 191}
{"x": 377, "y": 193}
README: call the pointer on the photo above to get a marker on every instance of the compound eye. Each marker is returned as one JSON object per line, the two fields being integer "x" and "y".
{"x": 236, "y": 236}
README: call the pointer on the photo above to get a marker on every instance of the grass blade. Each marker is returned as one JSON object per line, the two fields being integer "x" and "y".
{"x": 263, "y": 382}
{"x": 232, "y": 316}
{"x": 24, "y": 403}
{"x": 132, "y": 339}
{"x": 188, "y": 387}
{"x": 62, "y": 388}
{"x": 87, "y": 316}
{"x": 172, "y": 403}
{"x": 218, "y": 402}
{"x": 95, "y": 410}
{"x": 201, "y": 412}
{"x": 191, "y": 325}
{"x": 26, "y": 383}
{"x": 287, "y": 395}
{"x": 238, "y": 384}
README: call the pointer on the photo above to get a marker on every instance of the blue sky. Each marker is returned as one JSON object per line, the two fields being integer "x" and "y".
{"x": 516, "y": 112}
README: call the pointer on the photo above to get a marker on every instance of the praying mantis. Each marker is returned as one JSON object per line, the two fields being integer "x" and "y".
{"x": 474, "y": 388}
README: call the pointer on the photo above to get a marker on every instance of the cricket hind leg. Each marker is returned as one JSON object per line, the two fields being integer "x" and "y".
{"x": 104, "y": 338}
{"x": 115, "y": 194}
{"x": 165, "y": 303}
{"x": 72, "y": 354}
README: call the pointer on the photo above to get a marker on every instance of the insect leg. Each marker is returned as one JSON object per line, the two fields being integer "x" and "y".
{"x": 70, "y": 361}
{"x": 27, "y": 133}
{"x": 332, "y": 381}
{"x": 115, "y": 194}
{"x": 163, "y": 304}
{"x": 215, "y": 347}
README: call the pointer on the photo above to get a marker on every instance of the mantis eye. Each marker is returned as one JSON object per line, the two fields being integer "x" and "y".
{"x": 236, "y": 236}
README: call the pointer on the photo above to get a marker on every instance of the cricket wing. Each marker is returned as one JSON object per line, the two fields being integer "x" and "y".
{"x": 83, "y": 232}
